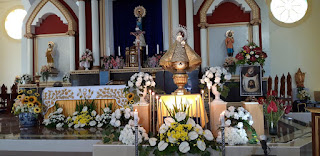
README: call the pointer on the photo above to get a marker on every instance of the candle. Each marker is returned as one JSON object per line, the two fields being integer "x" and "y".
{"x": 157, "y": 48}
{"x": 202, "y": 94}
{"x": 147, "y": 50}
{"x": 191, "y": 110}
{"x": 197, "y": 110}
{"x": 161, "y": 117}
{"x": 150, "y": 116}
{"x": 119, "y": 52}
{"x": 153, "y": 101}
{"x": 108, "y": 51}
{"x": 135, "y": 115}
{"x": 222, "y": 119}
{"x": 154, "y": 117}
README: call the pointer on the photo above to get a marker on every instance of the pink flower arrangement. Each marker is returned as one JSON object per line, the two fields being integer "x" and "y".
{"x": 154, "y": 60}
{"x": 111, "y": 62}
{"x": 87, "y": 56}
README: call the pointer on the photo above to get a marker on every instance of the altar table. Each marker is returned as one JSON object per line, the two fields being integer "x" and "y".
{"x": 169, "y": 100}
{"x": 67, "y": 97}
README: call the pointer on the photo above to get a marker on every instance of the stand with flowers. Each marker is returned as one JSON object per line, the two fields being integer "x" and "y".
{"x": 111, "y": 62}
{"x": 215, "y": 77}
{"x": 230, "y": 64}
{"x": 45, "y": 72}
{"x": 86, "y": 59}
{"x": 274, "y": 109}
{"x": 28, "y": 107}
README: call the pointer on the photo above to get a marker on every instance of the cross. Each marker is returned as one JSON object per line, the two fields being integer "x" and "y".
{"x": 137, "y": 34}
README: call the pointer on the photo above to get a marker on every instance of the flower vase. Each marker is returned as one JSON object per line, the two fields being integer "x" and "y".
{"x": 273, "y": 128}
{"x": 216, "y": 94}
{"x": 27, "y": 119}
{"x": 86, "y": 65}
{"x": 144, "y": 94}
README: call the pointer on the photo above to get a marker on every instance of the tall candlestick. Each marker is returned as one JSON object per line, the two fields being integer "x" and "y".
{"x": 147, "y": 50}
{"x": 199, "y": 111}
{"x": 157, "y": 48}
{"x": 191, "y": 115}
{"x": 119, "y": 52}
{"x": 153, "y": 102}
{"x": 161, "y": 116}
{"x": 222, "y": 119}
{"x": 202, "y": 94}
{"x": 150, "y": 103}
{"x": 154, "y": 116}
{"x": 135, "y": 115}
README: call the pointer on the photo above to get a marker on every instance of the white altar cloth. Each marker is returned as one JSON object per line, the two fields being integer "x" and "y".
{"x": 51, "y": 95}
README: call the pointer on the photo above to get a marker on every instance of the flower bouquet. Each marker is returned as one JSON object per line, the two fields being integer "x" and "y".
{"x": 303, "y": 94}
{"x": 120, "y": 117}
{"x": 137, "y": 86}
{"x": 17, "y": 79}
{"x": 154, "y": 60}
{"x": 238, "y": 122}
{"x": 230, "y": 63}
{"x": 127, "y": 135}
{"x": 86, "y": 59}
{"x": 251, "y": 54}
{"x": 83, "y": 115}
{"x": 28, "y": 107}
{"x": 55, "y": 119}
{"x": 274, "y": 109}
{"x": 181, "y": 134}
{"x": 45, "y": 72}
{"x": 111, "y": 62}
{"x": 215, "y": 77}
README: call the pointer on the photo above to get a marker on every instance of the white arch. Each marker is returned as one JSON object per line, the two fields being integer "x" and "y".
{"x": 46, "y": 10}
{"x": 242, "y": 3}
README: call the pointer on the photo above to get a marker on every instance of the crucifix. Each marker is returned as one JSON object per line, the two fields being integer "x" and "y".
{"x": 137, "y": 34}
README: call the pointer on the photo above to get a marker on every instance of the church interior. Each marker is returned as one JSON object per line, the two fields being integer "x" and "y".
{"x": 159, "y": 77}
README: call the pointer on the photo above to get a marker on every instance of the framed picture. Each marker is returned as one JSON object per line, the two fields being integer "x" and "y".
{"x": 250, "y": 81}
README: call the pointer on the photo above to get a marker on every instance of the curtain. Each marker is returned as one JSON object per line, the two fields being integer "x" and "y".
{"x": 124, "y": 22}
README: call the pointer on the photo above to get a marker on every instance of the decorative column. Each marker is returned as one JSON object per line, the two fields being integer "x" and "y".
{"x": 255, "y": 31}
{"x": 82, "y": 27}
{"x": 203, "y": 45}
{"x": 29, "y": 54}
{"x": 189, "y": 15}
{"x": 72, "y": 47}
{"x": 174, "y": 16}
{"x": 95, "y": 34}
{"x": 109, "y": 27}
{"x": 165, "y": 24}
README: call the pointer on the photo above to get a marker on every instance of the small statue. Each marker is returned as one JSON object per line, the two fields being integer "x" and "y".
{"x": 229, "y": 42}
{"x": 299, "y": 77}
{"x": 139, "y": 13}
{"x": 50, "y": 54}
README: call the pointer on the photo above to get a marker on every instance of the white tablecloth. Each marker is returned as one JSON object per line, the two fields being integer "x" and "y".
{"x": 51, "y": 95}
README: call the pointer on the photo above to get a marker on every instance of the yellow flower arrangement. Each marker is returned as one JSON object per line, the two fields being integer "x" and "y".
{"x": 32, "y": 99}
{"x": 29, "y": 92}
{"x": 130, "y": 96}
{"x": 30, "y": 105}
{"x": 83, "y": 118}
{"x": 37, "y": 110}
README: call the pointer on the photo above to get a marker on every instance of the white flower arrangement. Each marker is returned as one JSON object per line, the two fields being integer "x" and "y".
{"x": 215, "y": 75}
{"x": 303, "y": 94}
{"x": 237, "y": 121}
{"x": 141, "y": 80}
{"x": 182, "y": 133}
{"x": 127, "y": 135}
{"x": 100, "y": 120}
{"x": 55, "y": 119}
{"x": 121, "y": 117}
{"x": 66, "y": 78}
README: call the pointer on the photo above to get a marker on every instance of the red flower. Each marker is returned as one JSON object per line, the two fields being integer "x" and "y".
{"x": 272, "y": 107}
{"x": 258, "y": 49}
{"x": 261, "y": 100}
{"x": 264, "y": 55}
{"x": 239, "y": 56}
{"x": 253, "y": 59}
{"x": 288, "y": 109}
{"x": 246, "y": 48}
{"x": 274, "y": 93}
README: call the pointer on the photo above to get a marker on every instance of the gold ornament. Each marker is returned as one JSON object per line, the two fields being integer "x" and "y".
{"x": 140, "y": 11}
{"x": 299, "y": 77}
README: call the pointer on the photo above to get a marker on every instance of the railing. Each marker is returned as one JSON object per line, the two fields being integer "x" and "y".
{"x": 7, "y": 99}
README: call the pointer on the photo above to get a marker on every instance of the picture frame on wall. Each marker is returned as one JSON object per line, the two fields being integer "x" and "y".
{"x": 250, "y": 81}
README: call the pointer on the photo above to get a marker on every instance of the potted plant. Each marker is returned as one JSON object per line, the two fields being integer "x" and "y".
{"x": 28, "y": 107}
{"x": 274, "y": 109}
{"x": 45, "y": 72}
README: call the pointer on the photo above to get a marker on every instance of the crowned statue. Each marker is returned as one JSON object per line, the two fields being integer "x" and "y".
{"x": 180, "y": 59}
{"x": 50, "y": 54}
{"x": 139, "y": 13}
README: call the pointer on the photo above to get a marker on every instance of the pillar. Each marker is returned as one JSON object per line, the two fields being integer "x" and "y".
{"x": 82, "y": 27}
{"x": 189, "y": 15}
{"x": 95, "y": 33}
{"x": 203, "y": 45}
{"x": 72, "y": 47}
{"x": 174, "y": 14}
{"x": 256, "y": 35}
{"x": 30, "y": 56}
{"x": 165, "y": 25}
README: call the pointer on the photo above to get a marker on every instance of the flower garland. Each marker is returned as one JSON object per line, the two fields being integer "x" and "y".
{"x": 238, "y": 120}
{"x": 251, "y": 54}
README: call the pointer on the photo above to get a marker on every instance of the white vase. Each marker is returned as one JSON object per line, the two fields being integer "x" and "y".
{"x": 216, "y": 94}
{"x": 86, "y": 65}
